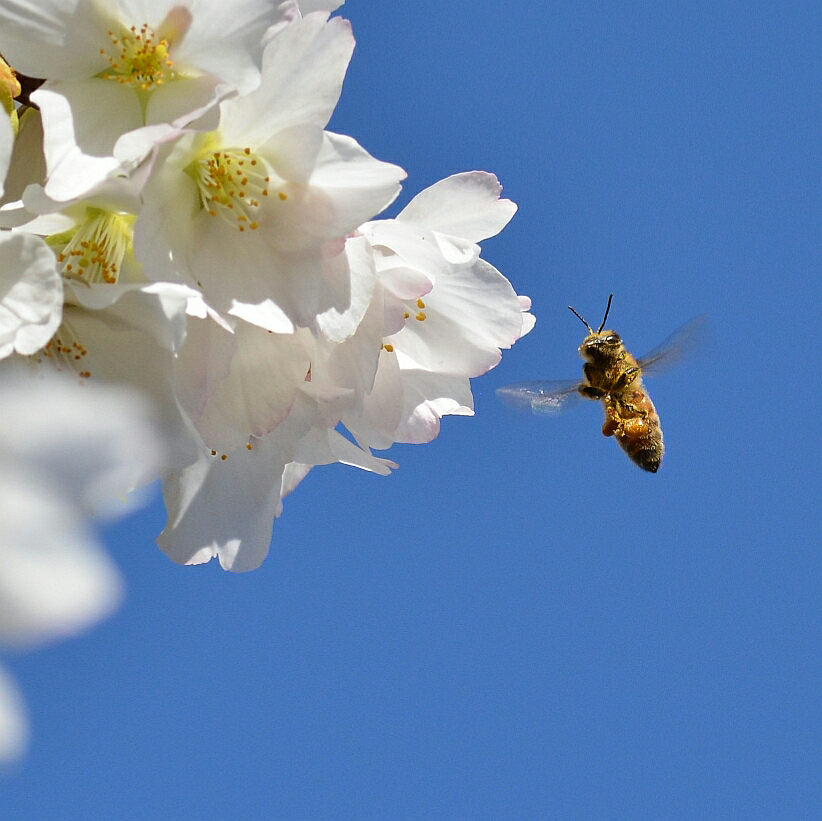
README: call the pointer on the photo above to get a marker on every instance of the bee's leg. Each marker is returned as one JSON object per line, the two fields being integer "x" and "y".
{"x": 590, "y": 392}
{"x": 612, "y": 421}
{"x": 630, "y": 427}
{"x": 625, "y": 379}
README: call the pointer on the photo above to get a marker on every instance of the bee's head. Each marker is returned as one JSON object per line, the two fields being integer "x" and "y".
{"x": 600, "y": 346}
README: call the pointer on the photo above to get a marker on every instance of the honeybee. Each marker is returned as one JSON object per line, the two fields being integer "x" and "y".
{"x": 613, "y": 376}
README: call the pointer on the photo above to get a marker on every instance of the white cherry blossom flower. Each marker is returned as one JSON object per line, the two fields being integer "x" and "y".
{"x": 252, "y": 398}
{"x": 64, "y": 451}
{"x": 446, "y": 312}
{"x": 113, "y": 67}
{"x": 224, "y": 505}
{"x": 255, "y": 214}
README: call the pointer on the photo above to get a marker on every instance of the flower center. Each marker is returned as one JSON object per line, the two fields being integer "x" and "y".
{"x": 138, "y": 58}
{"x": 232, "y": 185}
{"x": 94, "y": 249}
{"x": 64, "y": 351}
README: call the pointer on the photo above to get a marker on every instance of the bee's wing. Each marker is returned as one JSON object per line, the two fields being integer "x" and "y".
{"x": 677, "y": 346}
{"x": 541, "y": 397}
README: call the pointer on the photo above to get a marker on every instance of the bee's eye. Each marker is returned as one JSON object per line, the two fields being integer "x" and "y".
{"x": 613, "y": 339}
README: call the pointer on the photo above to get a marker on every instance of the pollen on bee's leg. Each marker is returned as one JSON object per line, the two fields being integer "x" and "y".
{"x": 610, "y": 427}
{"x": 635, "y": 427}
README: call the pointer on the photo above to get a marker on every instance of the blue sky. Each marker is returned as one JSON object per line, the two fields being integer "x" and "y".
{"x": 519, "y": 623}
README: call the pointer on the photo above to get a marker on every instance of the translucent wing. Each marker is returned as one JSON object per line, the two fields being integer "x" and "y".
{"x": 541, "y": 397}
{"x": 678, "y": 345}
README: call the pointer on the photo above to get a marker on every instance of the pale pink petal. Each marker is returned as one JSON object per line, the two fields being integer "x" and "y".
{"x": 31, "y": 294}
{"x": 82, "y": 122}
{"x": 464, "y": 205}
{"x": 302, "y": 75}
{"x": 55, "y": 38}
{"x": 428, "y": 397}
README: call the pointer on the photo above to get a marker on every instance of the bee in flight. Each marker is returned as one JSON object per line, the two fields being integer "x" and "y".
{"x": 613, "y": 376}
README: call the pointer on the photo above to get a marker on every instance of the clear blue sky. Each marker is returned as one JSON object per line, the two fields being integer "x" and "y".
{"x": 518, "y": 623}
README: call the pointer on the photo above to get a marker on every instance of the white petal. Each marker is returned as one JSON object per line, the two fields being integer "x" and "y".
{"x": 353, "y": 363}
{"x": 157, "y": 309}
{"x": 405, "y": 283}
{"x": 293, "y": 474}
{"x": 225, "y": 39}
{"x": 413, "y": 247}
{"x": 338, "y": 325}
{"x": 112, "y": 194}
{"x": 382, "y": 409}
{"x": 292, "y": 151}
{"x": 307, "y": 6}
{"x": 82, "y": 122}
{"x": 31, "y": 294}
{"x": 250, "y": 277}
{"x": 528, "y": 320}
{"x": 55, "y": 38}
{"x": 464, "y": 205}
{"x": 28, "y": 163}
{"x": 356, "y": 185}
{"x": 428, "y": 397}
{"x": 470, "y": 315}
{"x": 256, "y": 395}
{"x": 203, "y": 363}
{"x": 119, "y": 350}
{"x": 184, "y": 100}
{"x": 224, "y": 508}
{"x": 63, "y": 449}
{"x": 165, "y": 229}
{"x": 303, "y": 70}
{"x": 324, "y": 446}
{"x": 94, "y": 443}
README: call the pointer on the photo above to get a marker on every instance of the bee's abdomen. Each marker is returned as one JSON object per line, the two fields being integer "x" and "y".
{"x": 638, "y": 430}
{"x": 646, "y": 451}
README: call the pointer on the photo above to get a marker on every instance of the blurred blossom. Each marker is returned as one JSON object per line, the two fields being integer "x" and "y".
{"x": 66, "y": 451}
{"x": 178, "y": 220}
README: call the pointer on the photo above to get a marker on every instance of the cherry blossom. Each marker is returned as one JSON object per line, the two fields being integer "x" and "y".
{"x": 446, "y": 312}
{"x": 255, "y": 214}
{"x": 114, "y": 67}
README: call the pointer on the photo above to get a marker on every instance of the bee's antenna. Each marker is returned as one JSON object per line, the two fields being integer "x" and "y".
{"x": 580, "y": 318}
{"x": 607, "y": 310}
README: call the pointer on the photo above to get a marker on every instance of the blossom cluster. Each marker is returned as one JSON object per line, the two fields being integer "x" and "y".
{"x": 176, "y": 218}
